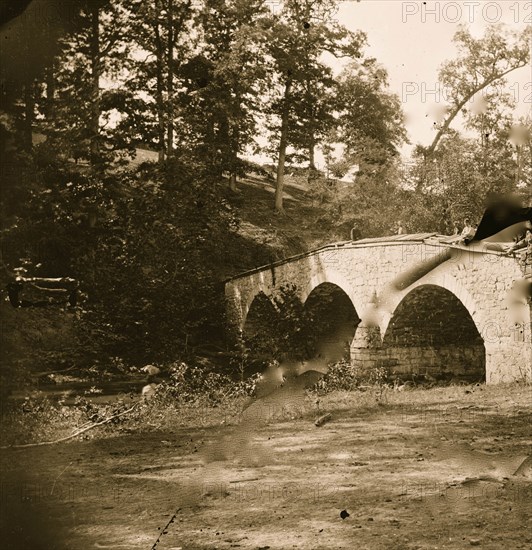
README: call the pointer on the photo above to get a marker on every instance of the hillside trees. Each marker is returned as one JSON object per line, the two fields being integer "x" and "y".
{"x": 463, "y": 172}
{"x": 226, "y": 80}
{"x": 75, "y": 111}
{"x": 458, "y": 171}
{"x": 168, "y": 234}
{"x": 143, "y": 245}
{"x": 369, "y": 128}
{"x": 163, "y": 39}
{"x": 370, "y": 121}
{"x": 452, "y": 180}
{"x": 300, "y": 34}
{"x": 491, "y": 119}
{"x": 29, "y": 44}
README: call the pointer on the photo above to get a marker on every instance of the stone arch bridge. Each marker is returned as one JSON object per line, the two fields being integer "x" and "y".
{"x": 452, "y": 322}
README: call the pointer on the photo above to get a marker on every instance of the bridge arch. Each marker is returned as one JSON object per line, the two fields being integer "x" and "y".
{"x": 433, "y": 331}
{"x": 334, "y": 320}
{"x": 326, "y": 275}
{"x": 260, "y": 287}
{"x": 446, "y": 282}
{"x": 258, "y": 332}
{"x": 261, "y": 312}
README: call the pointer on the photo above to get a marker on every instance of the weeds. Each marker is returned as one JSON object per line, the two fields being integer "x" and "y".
{"x": 343, "y": 376}
{"x": 189, "y": 396}
{"x": 186, "y": 396}
{"x": 38, "y": 418}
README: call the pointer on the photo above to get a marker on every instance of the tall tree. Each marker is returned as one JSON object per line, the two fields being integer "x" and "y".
{"x": 226, "y": 80}
{"x": 162, "y": 39}
{"x": 480, "y": 63}
{"x": 95, "y": 61}
{"x": 491, "y": 117}
{"x": 75, "y": 109}
{"x": 301, "y": 33}
{"x": 370, "y": 121}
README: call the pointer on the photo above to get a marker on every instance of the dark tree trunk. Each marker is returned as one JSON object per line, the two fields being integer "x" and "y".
{"x": 170, "y": 85}
{"x": 519, "y": 166}
{"x": 311, "y": 161}
{"x": 159, "y": 76}
{"x": 29, "y": 113}
{"x": 311, "y": 158}
{"x": 235, "y": 142}
{"x": 233, "y": 165}
{"x": 283, "y": 142}
{"x": 95, "y": 85}
{"x": 210, "y": 148}
{"x": 50, "y": 92}
{"x": 232, "y": 182}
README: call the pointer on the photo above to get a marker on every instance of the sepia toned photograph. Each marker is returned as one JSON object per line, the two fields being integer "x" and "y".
{"x": 265, "y": 274}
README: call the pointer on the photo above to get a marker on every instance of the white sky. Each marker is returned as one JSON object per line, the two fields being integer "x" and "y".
{"x": 411, "y": 39}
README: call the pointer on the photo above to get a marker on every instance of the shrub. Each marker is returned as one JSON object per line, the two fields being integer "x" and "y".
{"x": 340, "y": 376}
{"x": 158, "y": 234}
{"x": 343, "y": 376}
{"x": 193, "y": 384}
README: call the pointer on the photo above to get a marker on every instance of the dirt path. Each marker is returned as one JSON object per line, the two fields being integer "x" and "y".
{"x": 397, "y": 469}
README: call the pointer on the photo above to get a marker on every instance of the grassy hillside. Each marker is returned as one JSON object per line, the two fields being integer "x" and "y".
{"x": 265, "y": 236}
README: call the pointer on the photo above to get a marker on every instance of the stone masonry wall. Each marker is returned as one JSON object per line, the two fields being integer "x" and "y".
{"x": 479, "y": 281}
{"x": 465, "y": 362}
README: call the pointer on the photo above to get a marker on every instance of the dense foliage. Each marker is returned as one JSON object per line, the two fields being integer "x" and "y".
{"x": 138, "y": 242}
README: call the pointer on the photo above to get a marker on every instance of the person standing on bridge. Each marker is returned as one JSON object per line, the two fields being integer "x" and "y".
{"x": 400, "y": 230}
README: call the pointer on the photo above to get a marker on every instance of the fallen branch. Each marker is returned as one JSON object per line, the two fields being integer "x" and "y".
{"x": 114, "y": 545}
{"x": 164, "y": 530}
{"x": 244, "y": 480}
{"x": 62, "y": 472}
{"x": 71, "y": 436}
{"x": 323, "y": 419}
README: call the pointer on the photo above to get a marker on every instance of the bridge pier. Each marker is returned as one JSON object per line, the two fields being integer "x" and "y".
{"x": 366, "y": 348}
{"x": 509, "y": 360}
